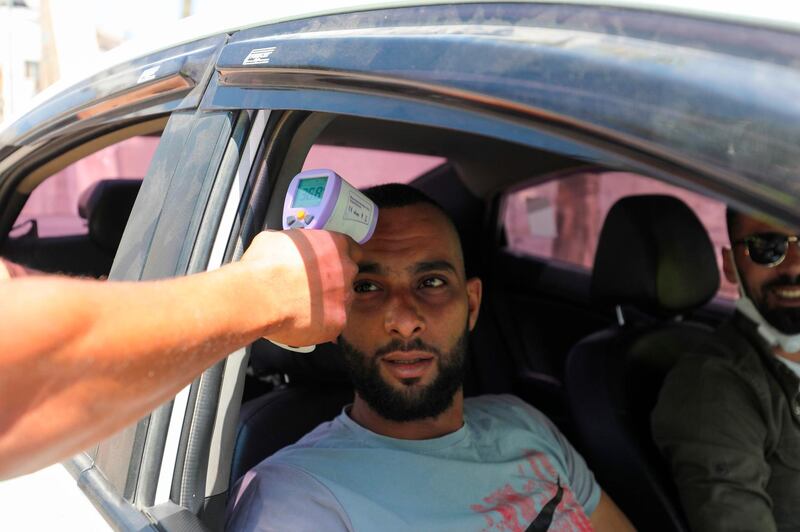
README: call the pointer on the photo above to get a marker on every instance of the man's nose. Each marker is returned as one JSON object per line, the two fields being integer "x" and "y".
{"x": 403, "y": 318}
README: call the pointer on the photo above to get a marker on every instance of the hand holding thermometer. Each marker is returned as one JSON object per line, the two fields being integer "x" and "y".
{"x": 321, "y": 199}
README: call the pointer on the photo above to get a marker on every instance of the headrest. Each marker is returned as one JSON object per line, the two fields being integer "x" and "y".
{"x": 107, "y": 205}
{"x": 654, "y": 254}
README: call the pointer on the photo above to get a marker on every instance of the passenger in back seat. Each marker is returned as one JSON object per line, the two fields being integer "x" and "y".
{"x": 411, "y": 453}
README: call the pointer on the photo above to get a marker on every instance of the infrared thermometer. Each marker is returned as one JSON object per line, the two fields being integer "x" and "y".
{"x": 321, "y": 199}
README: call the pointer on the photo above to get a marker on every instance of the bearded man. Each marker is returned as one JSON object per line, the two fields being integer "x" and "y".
{"x": 728, "y": 416}
{"x": 411, "y": 453}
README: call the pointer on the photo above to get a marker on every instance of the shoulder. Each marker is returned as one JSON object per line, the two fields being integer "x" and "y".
{"x": 729, "y": 362}
{"x": 502, "y": 404}
{"x": 712, "y": 390}
{"x": 276, "y": 496}
{"x": 509, "y": 410}
{"x": 324, "y": 435}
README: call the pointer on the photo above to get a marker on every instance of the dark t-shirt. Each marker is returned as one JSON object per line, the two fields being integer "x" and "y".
{"x": 728, "y": 422}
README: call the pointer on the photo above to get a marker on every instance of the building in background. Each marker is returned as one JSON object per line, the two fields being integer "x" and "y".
{"x": 42, "y": 41}
{"x": 20, "y": 55}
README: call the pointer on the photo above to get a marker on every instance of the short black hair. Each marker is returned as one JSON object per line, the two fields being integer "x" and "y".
{"x": 399, "y": 195}
{"x": 394, "y": 195}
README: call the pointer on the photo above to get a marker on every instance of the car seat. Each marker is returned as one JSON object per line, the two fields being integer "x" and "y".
{"x": 107, "y": 205}
{"x": 654, "y": 264}
{"x": 316, "y": 391}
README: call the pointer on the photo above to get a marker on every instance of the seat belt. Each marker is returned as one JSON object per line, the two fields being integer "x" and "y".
{"x": 545, "y": 518}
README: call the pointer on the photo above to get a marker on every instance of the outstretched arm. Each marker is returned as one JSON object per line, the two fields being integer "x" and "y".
{"x": 81, "y": 359}
{"x": 608, "y": 516}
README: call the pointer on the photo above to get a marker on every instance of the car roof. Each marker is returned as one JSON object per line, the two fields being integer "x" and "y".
{"x": 770, "y": 13}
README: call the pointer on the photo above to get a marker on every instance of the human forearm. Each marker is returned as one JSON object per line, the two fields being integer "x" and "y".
{"x": 608, "y": 517}
{"x": 81, "y": 359}
{"x": 715, "y": 507}
{"x": 108, "y": 353}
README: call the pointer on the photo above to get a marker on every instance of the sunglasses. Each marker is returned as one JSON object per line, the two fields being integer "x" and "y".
{"x": 768, "y": 249}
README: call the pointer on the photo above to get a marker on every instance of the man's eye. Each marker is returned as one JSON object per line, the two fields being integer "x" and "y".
{"x": 432, "y": 282}
{"x": 363, "y": 287}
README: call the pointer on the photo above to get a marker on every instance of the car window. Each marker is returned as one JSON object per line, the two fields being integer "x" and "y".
{"x": 367, "y": 167}
{"x": 561, "y": 219}
{"x": 54, "y": 203}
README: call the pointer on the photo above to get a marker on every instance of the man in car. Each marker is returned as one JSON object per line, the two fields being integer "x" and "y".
{"x": 411, "y": 453}
{"x": 81, "y": 359}
{"x": 728, "y": 416}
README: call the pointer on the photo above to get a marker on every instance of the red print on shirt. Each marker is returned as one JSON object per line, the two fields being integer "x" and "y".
{"x": 512, "y": 508}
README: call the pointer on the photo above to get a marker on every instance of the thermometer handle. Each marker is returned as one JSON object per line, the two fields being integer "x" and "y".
{"x": 303, "y": 349}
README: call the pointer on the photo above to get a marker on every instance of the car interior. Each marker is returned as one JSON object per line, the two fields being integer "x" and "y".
{"x": 587, "y": 348}
{"x": 104, "y": 206}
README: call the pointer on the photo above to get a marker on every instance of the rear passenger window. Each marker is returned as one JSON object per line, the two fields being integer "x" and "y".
{"x": 53, "y": 205}
{"x": 561, "y": 219}
{"x": 366, "y": 167}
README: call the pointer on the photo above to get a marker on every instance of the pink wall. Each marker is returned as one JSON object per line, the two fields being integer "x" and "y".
{"x": 54, "y": 203}
{"x": 571, "y": 211}
{"x": 364, "y": 168}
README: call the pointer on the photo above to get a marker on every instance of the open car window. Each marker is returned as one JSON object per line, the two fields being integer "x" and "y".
{"x": 561, "y": 218}
{"x": 54, "y": 204}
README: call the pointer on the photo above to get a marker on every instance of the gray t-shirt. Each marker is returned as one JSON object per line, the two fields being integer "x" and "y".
{"x": 495, "y": 473}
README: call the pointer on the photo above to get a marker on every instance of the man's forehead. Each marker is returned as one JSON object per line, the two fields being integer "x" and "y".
{"x": 412, "y": 268}
{"x": 413, "y": 234}
{"x": 411, "y": 222}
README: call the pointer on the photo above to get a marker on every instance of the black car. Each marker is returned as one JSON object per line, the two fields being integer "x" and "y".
{"x": 526, "y": 121}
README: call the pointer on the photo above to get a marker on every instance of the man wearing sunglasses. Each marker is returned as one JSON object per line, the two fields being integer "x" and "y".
{"x": 728, "y": 417}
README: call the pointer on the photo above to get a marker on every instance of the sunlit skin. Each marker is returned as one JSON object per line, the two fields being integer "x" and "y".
{"x": 81, "y": 359}
{"x": 755, "y": 276}
{"x": 411, "y": 284}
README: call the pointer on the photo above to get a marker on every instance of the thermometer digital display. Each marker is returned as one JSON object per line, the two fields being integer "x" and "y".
{"x": 309, "y": 192}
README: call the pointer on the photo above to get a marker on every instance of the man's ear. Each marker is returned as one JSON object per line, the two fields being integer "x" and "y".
{"x": 474, "y": 295}
{"x": 729, "y": 266}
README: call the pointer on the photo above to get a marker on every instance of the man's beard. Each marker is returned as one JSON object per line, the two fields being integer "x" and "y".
{"x": 785, "y": 319}
{"x": 409, "y": 403}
